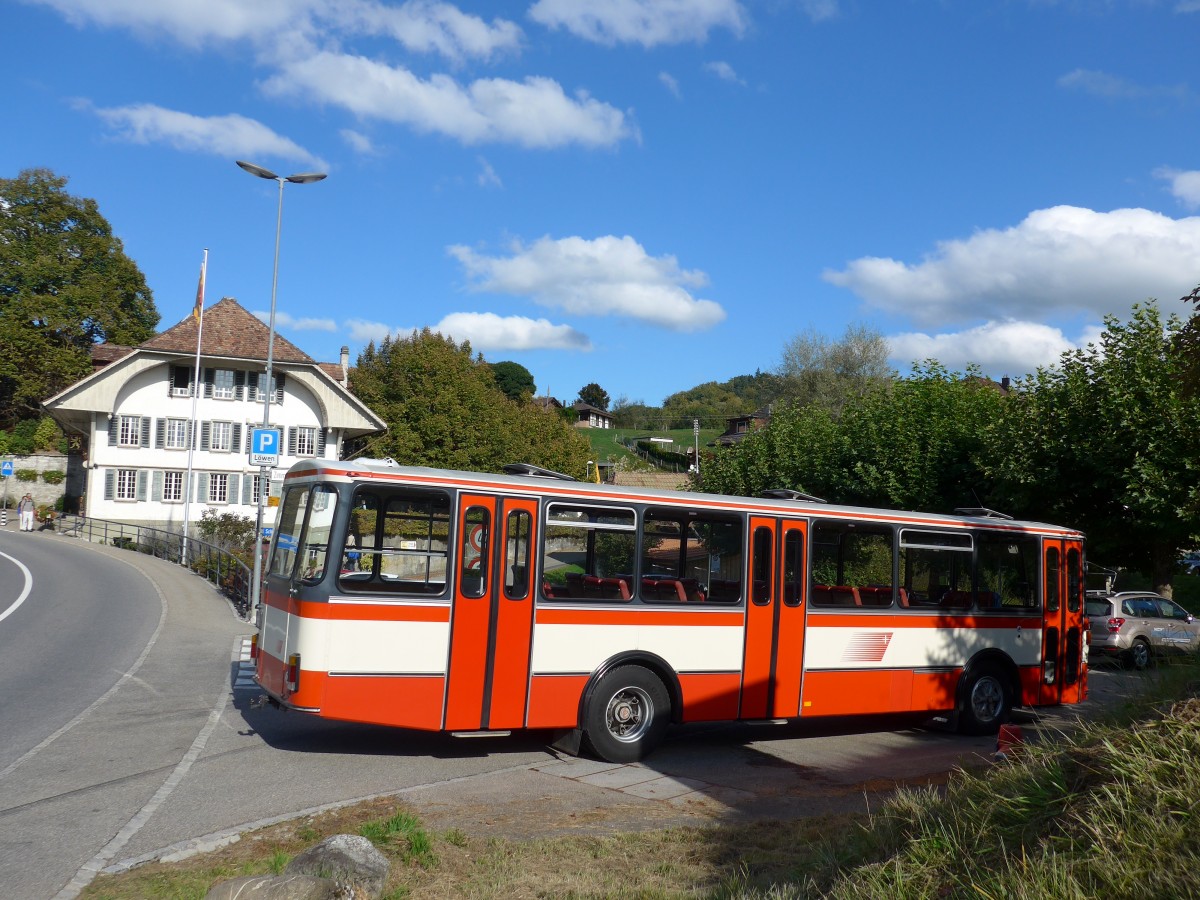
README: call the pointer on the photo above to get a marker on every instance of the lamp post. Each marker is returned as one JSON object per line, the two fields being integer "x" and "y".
{"x": 264, "y": 475}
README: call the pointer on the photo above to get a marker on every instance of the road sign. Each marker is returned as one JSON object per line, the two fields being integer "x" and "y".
{"x": 264, "y": 446}
{"x": 6, "y": 469}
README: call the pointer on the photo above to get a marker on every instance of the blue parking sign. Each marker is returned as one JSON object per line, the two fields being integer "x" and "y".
{"x": 264, "y": 446}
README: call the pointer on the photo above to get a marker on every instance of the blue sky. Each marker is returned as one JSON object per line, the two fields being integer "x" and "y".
{"x": 649, "y": 194}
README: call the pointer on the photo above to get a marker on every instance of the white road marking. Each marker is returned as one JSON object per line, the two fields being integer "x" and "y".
{"x": 24, "y": 593}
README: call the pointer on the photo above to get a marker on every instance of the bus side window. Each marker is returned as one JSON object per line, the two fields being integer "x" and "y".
{"x": 474, "y": 545}
{"x": 516, "y": 555}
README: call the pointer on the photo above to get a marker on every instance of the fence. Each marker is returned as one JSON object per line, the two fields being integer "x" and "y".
{"x": 225, "y": 571}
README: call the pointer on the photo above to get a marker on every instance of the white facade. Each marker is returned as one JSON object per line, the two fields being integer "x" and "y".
{"x": 139, "y": 460}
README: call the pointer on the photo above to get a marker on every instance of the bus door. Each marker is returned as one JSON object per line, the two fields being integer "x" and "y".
{"x": 1063, "y": 669}
{"x": 492, "y": 619}
{"x": 772, "y": 661}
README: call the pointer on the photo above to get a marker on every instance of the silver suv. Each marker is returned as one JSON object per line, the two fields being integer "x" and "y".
{"x": 1136, "y": 626}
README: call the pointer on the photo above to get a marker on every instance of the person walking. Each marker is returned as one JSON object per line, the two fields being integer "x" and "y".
{"x": 25, "y": 512}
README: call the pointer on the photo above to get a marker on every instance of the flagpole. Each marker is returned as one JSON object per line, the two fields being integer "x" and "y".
{"x": 190, "y": 437}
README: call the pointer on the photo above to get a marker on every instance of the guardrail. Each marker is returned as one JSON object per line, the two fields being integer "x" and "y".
{"x": 225, "y": 571}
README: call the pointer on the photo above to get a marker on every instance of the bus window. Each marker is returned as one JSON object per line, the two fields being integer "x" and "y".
{"x": 851, "y": 565}
{"x": 401, "y": 539}
{"x": 516, "y": 555}
{"x": 687, "y": 557}
{"x": 764, "y": 542}
{"x": 314, "y": 542}
{"x": 793, "y": 567}
{"x": 1074, "y": 580}
{"x": 588, "y": 552}
{"x": 1008, "y": 567}
{"x": 935, "y": 570}
{"x": 473, "y": 551}
{"x": 287, "y": 536}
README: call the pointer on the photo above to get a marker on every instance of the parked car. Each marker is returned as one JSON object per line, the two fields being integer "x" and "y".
{"x": 1136, "y": 626}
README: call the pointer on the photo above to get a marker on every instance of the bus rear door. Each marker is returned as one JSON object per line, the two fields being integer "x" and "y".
{"x": 774, "y": 646}
{"x": 1063, "y": 667}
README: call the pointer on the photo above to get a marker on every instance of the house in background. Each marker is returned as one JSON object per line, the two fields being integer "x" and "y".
{"x": 737, "y": 427}
{"x": 135, "y": 416}
{"x": 590, "y": 417}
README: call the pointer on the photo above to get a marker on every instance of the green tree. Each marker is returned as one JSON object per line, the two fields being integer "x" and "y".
{"x": 514, "y": 379}
{"x": 829, "y": 373}
{"x": 628, "y": 413}
{"x": 1187, "y": 344}
{"x": 443, "y": 408}
{"x": 1107, "y": 442}
{"x": 65, "y": 283}
{"x": 594, "y": 395}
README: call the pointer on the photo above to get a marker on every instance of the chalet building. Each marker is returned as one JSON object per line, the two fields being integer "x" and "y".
{"x": 134, "y": 414}
{"x": 737, "y": 427}
{"x": 590, "y": 417}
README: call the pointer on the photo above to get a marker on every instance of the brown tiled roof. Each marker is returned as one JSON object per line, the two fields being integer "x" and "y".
{"x": 674, "y": 482}
{"x": 103, "y": 354}
{"x": 229, "y": 330}
{"x": 333, "y": 370}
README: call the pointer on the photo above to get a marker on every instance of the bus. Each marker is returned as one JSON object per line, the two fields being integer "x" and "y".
{"x": 474, "y": 603}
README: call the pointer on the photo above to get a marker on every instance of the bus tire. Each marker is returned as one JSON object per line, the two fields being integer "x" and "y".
{"x": 627, "y": 714}
{"x": 985, "y": 700}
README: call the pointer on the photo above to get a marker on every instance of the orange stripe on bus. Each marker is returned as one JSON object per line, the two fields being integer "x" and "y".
{"x": 910, "y": 620}
{"x": 554, "y": 700}
{"x": 635, "y": 616}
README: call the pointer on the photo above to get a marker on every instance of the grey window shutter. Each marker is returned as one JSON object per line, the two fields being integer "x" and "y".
{"x": 191, "y": 435}
{"x": 142, "y": 478}
{"x": 239, "y": 384}
{"x": 110, "y": 484}
{"x": 114, "y": 429}
{"x": 202, "y": 487}
{"x": 145, "y": 431}
{"x": 160, "y": 433}
{"x": 321, "y": 443}
{"x": 248, "y": 490}
{"x": 231, "y": 495}
{"x": 279, "y": 388}
{"x": 235, "y": 443}
{"x": 170, "y": 380}
{"x": 291, "y": 440}
{"x": 205, "y": 435}
{"x": 156, "y": 487}
{"x": 209, "y": 377}
{"x": 252, "y": 385}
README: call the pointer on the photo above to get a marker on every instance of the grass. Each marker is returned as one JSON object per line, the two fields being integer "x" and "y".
{"x": 1111, "y": 811}
{"x": 606, "y": 448}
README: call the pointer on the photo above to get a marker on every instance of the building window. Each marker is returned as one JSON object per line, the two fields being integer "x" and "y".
{"x": 130, "y": 434}
{"x": 181, "y": 382}
{"x": 176, "y": 434}
{"x": 256, "y": 489}
{"x": 306, "y": 441}
{"x": 222, "y": 436}
{"x": 172, "y": 487}
{"x": 223, "y": 384}
{"x": 126, "y": 484}
{"x": 218, "y": 488}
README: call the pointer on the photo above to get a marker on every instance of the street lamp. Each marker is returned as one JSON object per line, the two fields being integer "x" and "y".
{"x": 264, "y": 475}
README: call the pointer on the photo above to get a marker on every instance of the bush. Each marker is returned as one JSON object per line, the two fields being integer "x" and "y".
{"x": 54, "y": 477}
{"x": 27, "y": 474}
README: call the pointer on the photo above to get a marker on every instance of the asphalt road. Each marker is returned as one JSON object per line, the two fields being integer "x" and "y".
{"x": 126, "y": 734}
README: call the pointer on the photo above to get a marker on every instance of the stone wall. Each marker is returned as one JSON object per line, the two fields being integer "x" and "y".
{"x": 43, "y": 492}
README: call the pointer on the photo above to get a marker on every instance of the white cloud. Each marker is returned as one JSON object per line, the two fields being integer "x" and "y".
{"x": 1185, "y": 186}
{"x": 358, "y": 142}
{"x": 669, "y": 82}
{"x": 820, "y": 10}
{"x": 284, "y": 320}
{"x": 1057, "y": 261}
{"x": 532, "y": 113}
{"x": 645, "y": 22}
{"x": 488, "y": 331}
{"x": 487, "y": 175}
{"x": 273, "y": 25}
{"x": 608, "y": 276}
{"x": 724, "y": 71}
{"x": 485, "y": 331}
{"x": 998, "y": 348}
{"x": 230, "y": 135}
{"x": 1101, "y": 84}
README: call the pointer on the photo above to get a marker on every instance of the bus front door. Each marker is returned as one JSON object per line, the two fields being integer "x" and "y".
{"x": 774, "y": 646}
{"x": 492, "y": 618}
{"x": 1064, "y": 668}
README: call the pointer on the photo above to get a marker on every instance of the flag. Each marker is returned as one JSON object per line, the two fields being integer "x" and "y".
{"x": 199, "y": 308}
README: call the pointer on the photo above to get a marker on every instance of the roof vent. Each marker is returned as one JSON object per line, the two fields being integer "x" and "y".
{"x": 980, "y": 511}
{"x": 789, "y": 494}
{"x": 535, "y": 472}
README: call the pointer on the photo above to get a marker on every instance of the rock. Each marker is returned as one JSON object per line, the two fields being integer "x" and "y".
{"x": 279, "y": 887}
{"x": 347, "y": 859}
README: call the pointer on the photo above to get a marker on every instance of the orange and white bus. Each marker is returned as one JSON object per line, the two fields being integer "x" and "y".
{"x": 472, "y": 603}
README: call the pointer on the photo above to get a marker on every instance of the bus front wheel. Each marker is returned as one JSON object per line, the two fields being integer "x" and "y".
{"x": 985, "y": 701}
{"x": 627, "y": 714}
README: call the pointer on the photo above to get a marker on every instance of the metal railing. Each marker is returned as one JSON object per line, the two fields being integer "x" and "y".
{"x": 225, "y": 571}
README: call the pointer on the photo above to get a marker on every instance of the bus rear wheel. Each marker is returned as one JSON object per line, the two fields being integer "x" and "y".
{"x": 627, "y": 714}
{"x": 984, "y": 701}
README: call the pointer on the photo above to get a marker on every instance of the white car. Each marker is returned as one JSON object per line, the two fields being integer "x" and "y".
{"x": 1136, "y": 626}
